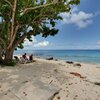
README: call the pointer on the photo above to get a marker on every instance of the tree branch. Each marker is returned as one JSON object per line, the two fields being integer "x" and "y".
{"x": 13, "y": 18}
{"x": 8, "y": 3}
{"x": 3, "y": 42}
{"x": 13, "y": 37}
{"x": 22, "y": 38}
{"x": 37, "y": 7}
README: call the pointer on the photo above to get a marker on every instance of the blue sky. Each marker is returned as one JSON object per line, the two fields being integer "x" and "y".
{"x": 80, "y": 30}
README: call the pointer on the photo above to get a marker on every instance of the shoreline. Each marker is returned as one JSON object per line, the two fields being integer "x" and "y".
{"x": 56, "y": 79}
{"x": 87, "y": 56}
{"x": 64, "y": 61}
{"x": 92, "y": 63}
{"x": 57, "y": 59}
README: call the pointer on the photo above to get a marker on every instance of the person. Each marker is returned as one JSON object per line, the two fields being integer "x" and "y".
{"x": 24, "y": 56}
{"x": 31, "y": 57}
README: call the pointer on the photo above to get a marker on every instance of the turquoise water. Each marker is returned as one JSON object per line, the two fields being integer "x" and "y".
{"x": 89, "y": 56}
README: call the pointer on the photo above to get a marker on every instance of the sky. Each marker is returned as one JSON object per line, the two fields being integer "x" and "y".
{"x": 80, "y": 30}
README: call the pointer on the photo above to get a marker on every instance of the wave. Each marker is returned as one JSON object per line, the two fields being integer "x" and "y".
{"x": 82, "y": 56}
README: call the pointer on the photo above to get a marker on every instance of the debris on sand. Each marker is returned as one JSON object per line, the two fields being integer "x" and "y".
{"x": 77, "y": 74}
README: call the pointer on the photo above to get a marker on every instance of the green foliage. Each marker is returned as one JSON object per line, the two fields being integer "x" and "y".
{"x": 11, "y": 63}
{"x": 20, "y": 46}
{"x": 41, "y": 15}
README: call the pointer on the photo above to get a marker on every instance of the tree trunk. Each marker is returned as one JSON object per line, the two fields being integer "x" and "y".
{"x": 8, "y": 56}
{"x": 0, "y": 56}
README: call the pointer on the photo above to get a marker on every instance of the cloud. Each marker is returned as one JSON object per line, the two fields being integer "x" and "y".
{"x": 98, "y": 43}
{"x": 42, "y": 44}
{"x": 28, "y": 43}
{"x": 79, "y": 18}
{"x": 35, "y": 43}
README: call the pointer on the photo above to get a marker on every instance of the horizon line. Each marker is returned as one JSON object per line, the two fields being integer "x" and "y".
{"x": 55, "y": 49}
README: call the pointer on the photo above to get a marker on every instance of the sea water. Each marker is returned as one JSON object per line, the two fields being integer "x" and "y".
{"x": 88, "y": 56}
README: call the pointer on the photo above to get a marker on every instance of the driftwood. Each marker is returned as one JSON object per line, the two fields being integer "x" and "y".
{"x": 69, "y": 62}
{"x": 51, "y": 58}
{"x": 78, "y": 64}
{"x": 77, "y": 74}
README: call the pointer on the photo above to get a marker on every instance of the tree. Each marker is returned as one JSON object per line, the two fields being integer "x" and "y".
{"x": 16, "y": 16}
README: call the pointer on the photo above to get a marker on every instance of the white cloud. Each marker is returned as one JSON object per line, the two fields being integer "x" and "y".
{"x": 79, "y": 18}
{"x": 42, "y": 44}
{"x": 98, "y": 43}
{"x": 34, "y": 39}
{"x": 35, "y": 43}
{"x": 28, "y": 43}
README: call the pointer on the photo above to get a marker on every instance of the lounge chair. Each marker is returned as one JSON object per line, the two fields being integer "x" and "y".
{"x": 17, "y": 59}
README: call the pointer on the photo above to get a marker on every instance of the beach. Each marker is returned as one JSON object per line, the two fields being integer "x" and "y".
{"x": 50, "y": 80}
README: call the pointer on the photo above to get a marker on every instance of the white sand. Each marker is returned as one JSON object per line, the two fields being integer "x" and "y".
{"x": 46, "y": 77}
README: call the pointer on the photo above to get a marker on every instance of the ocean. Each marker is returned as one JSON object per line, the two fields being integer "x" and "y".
{"x": 87, "y": 56}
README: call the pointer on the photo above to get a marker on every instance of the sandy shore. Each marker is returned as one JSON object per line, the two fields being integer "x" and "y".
{"x": 50, "y": 80}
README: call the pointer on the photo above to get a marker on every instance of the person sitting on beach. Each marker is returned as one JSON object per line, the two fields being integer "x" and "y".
{"x": 24, "y": 56}
{"x": 31, "y": 58}
{"x": 24, "y": 59}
